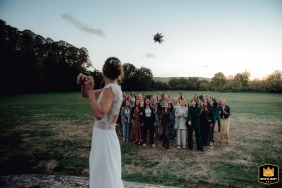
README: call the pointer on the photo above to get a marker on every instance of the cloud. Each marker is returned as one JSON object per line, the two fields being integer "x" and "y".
{"x": 82, "y": 26}
{"x": 205, "y": 66}
{"x": 148, "y": 55}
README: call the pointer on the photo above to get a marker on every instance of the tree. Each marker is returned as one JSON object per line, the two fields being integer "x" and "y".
{"x": 274, "y": 82}
{"x": 229, "y": 84}
{"x": 238, "y": 80}
{"x": 39, "y": 64}
{"x": 218, "y": 80}
{"x": 137, "y": 79}
{"x": 144, "y": 79}
{"x": 192, "y": 83}
{"x": 178, "y": 83}
{"x": 204, "y": 85}
{"x": 258, "y": 85}
{"x": 242, "y": 80}
{"x": 172, "y": 83}
{"x": 98, "y": 77}
{"x": 158, "y": 85}
{"x": 128, "y": 82}
{"x": 245, "y": 78}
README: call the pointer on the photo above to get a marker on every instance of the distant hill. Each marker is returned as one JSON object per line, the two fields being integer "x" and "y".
{"x": 166, "y": 79}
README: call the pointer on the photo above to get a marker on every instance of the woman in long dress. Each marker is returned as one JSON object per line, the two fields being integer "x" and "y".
{"x": 165, "y": 121}
{"x": 105, "y": 154}
{"x": 224, "y": 113}
{"x": 216, "y": 105}
{"x": 136, "y": 134}
{"x": 206, "y": 122}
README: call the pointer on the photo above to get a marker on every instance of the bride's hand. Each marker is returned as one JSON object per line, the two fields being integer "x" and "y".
{"x": 89, "y": 83}
{"x": 80, "y": 78}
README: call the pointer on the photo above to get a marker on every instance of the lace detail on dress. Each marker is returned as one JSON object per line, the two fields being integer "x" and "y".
{"x": 106, "y": 122}
{"x": 105, "y": 126}
{"x": 117, "y": 98}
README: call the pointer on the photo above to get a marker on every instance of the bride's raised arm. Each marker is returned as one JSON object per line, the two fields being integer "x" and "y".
{"x": 81, "y": 79}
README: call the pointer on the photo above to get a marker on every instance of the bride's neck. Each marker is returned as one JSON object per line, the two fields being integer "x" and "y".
{"x": 109, "y": 81}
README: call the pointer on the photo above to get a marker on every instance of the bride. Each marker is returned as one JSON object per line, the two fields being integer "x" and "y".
{"x": 105, "y": 154}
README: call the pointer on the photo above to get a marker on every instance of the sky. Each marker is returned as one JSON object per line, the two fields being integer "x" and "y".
{"x": 201, "y": 37}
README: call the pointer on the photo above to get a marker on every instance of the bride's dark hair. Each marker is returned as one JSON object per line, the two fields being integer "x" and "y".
{"x": 113, "y": 68}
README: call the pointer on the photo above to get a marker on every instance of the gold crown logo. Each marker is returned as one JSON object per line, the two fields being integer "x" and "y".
{"x": 268, "y": 172}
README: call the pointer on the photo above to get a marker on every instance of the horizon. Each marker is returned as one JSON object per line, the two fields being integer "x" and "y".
{"x": 209, "y": 78}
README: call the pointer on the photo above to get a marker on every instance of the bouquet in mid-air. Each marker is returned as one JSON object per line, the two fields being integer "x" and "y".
{"x": 158, "y": 38}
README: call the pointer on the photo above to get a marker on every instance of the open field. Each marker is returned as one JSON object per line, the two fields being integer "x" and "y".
{"x": 51, "y": 134}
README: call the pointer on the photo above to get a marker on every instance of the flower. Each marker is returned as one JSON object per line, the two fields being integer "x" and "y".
{"x": 114, "y": 61}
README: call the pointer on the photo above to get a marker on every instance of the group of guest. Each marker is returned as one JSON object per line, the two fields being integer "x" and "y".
{"x": 169, "y": 118}
{"x": 138, "y": 118}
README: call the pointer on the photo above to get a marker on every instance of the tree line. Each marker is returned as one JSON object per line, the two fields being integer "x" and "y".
{"x": 239, "y": 83}
{"x": 31, "y": 63}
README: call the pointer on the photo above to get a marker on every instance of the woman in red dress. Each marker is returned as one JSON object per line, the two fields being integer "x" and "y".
{"x": 136, "y": 134}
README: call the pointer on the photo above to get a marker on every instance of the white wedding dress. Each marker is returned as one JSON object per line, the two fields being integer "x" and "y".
{"x": 105, "y": 154}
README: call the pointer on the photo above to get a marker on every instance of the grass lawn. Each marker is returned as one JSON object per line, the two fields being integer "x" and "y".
{"x": 51, "y": 134}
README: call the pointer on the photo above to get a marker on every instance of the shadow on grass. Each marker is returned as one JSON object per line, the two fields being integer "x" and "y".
{"x": 17, "y": 165}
